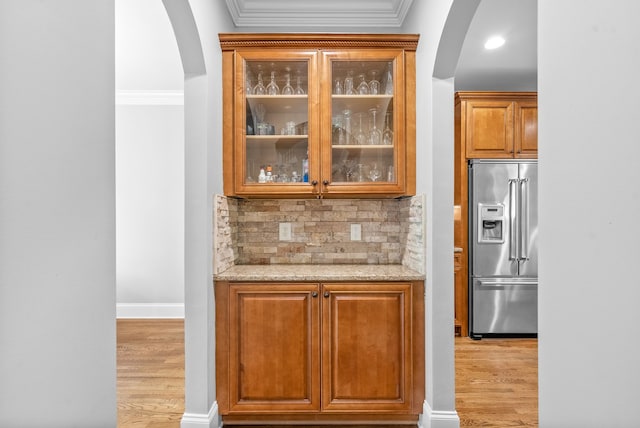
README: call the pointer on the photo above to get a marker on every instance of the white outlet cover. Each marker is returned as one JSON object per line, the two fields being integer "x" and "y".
{"x": 285, "y": 232}
{"x": 356, "y": 232}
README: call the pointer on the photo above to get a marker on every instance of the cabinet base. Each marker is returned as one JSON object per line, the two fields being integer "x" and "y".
{"x": 319, "y": 420}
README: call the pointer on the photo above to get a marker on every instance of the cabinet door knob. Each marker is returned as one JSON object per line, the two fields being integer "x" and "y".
{"x": 325, "y": 182}
{"x": 314, "y": 182}
{"x": 314, "y": 294}
{"x": 326, "y": 294}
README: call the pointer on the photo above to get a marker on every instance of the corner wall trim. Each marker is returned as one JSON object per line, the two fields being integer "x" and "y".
{"x": 150, "y": 310}
{"x": 200, "y": 420}
{"x": 438, "y": 418}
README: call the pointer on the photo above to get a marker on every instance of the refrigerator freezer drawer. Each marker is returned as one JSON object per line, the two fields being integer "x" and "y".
{"x": 505, "y": 306}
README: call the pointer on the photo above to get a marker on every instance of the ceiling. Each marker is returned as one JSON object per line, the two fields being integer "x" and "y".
{"x": 513, "y": 67}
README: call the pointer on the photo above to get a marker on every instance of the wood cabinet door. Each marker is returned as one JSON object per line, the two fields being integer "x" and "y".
{"x": 274, "y": 348}
{"x": 366, "y": 347}
{"x": 489, "y": 129}
{"x": 526, "y": 138}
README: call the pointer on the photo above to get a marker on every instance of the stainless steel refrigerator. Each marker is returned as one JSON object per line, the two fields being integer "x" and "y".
{"x": 503, "y": 256}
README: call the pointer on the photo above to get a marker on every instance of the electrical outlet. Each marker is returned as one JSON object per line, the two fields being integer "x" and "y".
{"x": 285, "y": 231}
{"x": 356, "y": 232}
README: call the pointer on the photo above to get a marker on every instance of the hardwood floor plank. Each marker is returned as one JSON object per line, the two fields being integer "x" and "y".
{"x": 150, "y": 382}
{"x": 496, "y": 379}
{"x": 497, "y": 382}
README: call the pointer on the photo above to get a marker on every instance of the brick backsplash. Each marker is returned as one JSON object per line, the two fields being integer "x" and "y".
{"x": 246, "y": 232}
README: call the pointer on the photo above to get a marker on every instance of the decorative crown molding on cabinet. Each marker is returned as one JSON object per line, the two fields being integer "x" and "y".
{"x": 319, "y": 13}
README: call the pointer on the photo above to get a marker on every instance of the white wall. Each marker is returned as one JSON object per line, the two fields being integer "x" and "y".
{"x": 149, "y": 163}
{"x": 57, "y": 214}
{"x": 150, "y": 210}
{"x": 589, "y": 204}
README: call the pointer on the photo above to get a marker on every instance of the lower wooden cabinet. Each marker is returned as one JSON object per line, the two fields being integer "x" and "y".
{"x": 322, "y": 352}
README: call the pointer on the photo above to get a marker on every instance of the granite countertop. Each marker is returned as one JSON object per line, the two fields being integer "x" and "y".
{"x": 322, "y": 272}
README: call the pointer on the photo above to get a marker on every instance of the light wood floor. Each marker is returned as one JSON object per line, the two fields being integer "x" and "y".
{"x": 496, "y": 379}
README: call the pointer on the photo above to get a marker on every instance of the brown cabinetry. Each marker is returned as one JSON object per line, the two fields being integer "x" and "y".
{"x": 499, "y": 125}
{"x": 460, "y": 297}
{"x": 322, "y": 352}
{"x": 322, "y": 115}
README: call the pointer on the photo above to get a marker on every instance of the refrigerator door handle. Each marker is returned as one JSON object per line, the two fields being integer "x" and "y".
{"x": 513, "y": 224}
{"x": 507, "y": 284}
{"x": 524, "y": 219}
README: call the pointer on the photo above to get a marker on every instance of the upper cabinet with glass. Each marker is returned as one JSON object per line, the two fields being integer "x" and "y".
{"x": 319, "y": 115}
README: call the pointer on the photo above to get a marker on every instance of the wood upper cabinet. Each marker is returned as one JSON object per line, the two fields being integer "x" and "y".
{"x": 330, "y": 351}
{"x": 323, "y": 115}
{"x": 497, "y": 125}
{"x": 526, "y": 130}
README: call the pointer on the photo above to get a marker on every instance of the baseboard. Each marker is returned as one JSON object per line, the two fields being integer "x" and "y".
{"x": 150, "y": 310}
{"x": 200, "y": 420}
{"x": 438, "y": 418}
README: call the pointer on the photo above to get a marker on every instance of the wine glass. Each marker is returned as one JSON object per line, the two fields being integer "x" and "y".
{"x": 287, "y": 89}
{"x": 374, "y": 84}
{"x": 248, "y": 85}
{"x": 374, "y": 172}
{"x": 363, "y": 87}
{"x": 375, "y": 136}
{"x": 259, "y": 89}
{"x": 272, "y": 87}
{"x": 388, "y": 80}
{"x": 349, "y": 169}
{"x": 298, "y": 90}
{"x": 361, "y": 136}
{"x": 348, "y": 84}
{"x": 387, "y": 134}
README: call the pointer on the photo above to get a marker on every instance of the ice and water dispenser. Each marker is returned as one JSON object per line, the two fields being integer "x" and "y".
{"x": 491, "y": 223}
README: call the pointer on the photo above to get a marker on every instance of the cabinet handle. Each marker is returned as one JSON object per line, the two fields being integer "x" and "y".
{"x": 325, "y": 182}
{"x": 314, "y": 294}
{"x": 326, "y": 294}
{"x": 314, "y": 182}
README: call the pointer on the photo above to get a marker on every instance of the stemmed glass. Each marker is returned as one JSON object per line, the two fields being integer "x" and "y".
{"x": 387, "y": 134}
{"x": 375, "y": 136}
{"x": 298, "y": 90}
{"x": 272, "y": 87}
{"x": 249, "y": 86}
{"x": 259, "y": 89}
{"x": 361, "y": 137}
{"x": 374, "y": 173}
{"x": 388, "y": 84}
{"x": 348, "y": 84}
{"x": 374, "y": 84}
{"x": 363, "y": 88}
{"x": 287, "y": 89}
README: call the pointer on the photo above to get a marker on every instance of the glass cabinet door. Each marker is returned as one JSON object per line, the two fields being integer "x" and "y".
{"x": 364, "y": 108}
{"x": 275, "y": 122}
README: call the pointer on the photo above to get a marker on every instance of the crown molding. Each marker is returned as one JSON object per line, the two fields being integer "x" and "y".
{"x": 319, "y": 13}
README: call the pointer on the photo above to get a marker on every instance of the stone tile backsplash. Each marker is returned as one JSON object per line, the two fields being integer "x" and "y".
{"x": 247, "y": 232}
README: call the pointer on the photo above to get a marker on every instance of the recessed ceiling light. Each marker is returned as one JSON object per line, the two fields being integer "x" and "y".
{"x": 494, "y": 42}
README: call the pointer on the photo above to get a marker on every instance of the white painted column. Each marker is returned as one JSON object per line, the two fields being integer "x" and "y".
{"x": 57, "y": 214}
